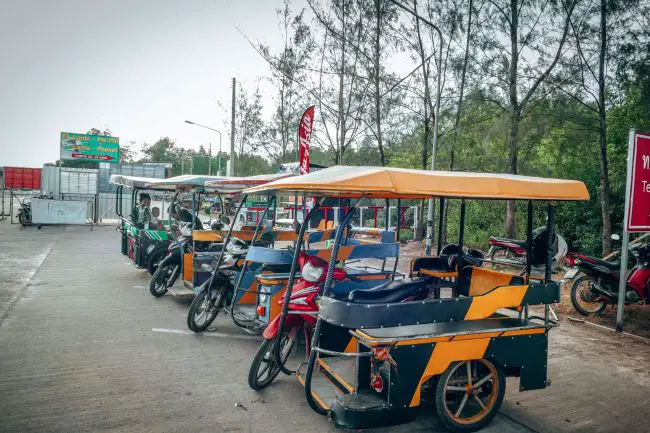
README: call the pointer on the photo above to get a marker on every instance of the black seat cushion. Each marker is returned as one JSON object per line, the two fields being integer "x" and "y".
{"x": 276, "y": 269}
{"x": 393, "y": 291}
{"x": 215, "y": 247}
{"x": 439, "y": 264}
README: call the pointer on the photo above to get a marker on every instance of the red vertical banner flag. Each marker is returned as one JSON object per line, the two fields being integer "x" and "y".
{"x": 304, "y": 138}
{"x": 638, "y": 203}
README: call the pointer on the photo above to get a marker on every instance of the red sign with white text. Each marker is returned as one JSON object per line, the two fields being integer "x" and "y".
{"x": 304, "y": 137}
{"x": 638, "y": 215}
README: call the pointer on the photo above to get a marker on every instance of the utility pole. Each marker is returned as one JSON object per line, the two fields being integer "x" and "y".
{"x": 231, "y": 168}
{"x": 210, "y": 159}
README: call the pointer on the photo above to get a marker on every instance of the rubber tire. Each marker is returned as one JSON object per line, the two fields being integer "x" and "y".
{"x": 198, "y": 299}
{"x": 452, "y": 425}
{"x": 574, "y": 295}
{"x": 23, "y": 220}
{"x": 494, "y": 251}
{"x": 161, "y": 266}
{"x": 154, "y": 260}
{"x": 266, "y": 346}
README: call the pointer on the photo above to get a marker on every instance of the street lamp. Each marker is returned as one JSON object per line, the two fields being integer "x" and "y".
{"x": 189, "y": 122}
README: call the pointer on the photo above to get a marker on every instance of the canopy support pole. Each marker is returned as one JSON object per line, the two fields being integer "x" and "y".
{"x": 529, "y": 240}
{"x": 292, "y": 278}
{"x": 399, "y": 219}
{"x": 550, "y": 237}
{"x": 440, "y": 223}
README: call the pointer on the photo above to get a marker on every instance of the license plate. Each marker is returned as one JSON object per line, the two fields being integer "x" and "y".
{"x": 571, "y": 273}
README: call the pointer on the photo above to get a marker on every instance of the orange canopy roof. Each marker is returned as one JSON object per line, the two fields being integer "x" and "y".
{"x": 386, "y": 182}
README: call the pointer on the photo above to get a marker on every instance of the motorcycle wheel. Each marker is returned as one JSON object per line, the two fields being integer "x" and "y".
{"x": 504, "y": 255}
{"x": 164, "y": 277}
{"x": 583, "y": 299}
{"x": 264, "y": 369}
{"x": 23, "y": 219}
{"x": 155, "y": 260}
{"x": 203, "y": 311}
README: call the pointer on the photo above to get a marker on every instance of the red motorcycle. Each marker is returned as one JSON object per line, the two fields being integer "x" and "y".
{"x": 513, "y": 251}
{"x": 303, "y": 309}
{"x": 598, "y": 287}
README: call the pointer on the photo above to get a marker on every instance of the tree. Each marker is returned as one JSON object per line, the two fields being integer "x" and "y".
{"x": 342, "y": 90}
{"x": 533, "y": 52}
{"x": 287, "y": 72}
{"x": 127, "y": 152}
{"x": 600, "y": 31}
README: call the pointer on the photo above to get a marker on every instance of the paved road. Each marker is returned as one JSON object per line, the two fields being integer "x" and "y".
{"x": 79, "y": 353}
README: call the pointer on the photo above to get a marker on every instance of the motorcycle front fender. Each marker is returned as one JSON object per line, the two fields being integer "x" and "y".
{"x": 272, "y": 328}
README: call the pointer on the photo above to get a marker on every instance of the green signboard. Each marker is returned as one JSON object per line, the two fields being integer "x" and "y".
{"x": 90, "y": 147}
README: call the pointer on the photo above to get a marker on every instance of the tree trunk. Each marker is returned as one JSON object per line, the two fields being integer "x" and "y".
{"x": 377, "y": 53}
{"x": 428, "y": 106}
{"x": 459, "y": 108}
{"x": 514, "y": 111}
{"x": 604, "y": 170}
{"x": 341, "y": 141}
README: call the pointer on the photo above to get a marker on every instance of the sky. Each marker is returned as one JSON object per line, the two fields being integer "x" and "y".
{"x": 137, "y": 67}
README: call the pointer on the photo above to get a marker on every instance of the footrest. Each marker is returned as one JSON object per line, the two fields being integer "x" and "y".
{"x": 340, "y": 371}
{"x": 368, "y": 409}
{"x": 180, "y": 292}
{"x": 322, "y": 389}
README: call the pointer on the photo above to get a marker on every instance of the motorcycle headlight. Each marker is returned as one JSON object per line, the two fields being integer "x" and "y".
{"x": 311, "y": 273}
{"x": 206, "y": 267}
{"x": 186, "y": 230}
{"x": 235, "y": 249}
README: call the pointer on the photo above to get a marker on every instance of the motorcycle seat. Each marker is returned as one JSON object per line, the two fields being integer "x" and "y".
{"x": 215, "y": 247}
{"x": 392, "y": 291}
{"x": 518, "y": 242}
{"x": 275, "y": 268}
{"x": 615, "y": 266}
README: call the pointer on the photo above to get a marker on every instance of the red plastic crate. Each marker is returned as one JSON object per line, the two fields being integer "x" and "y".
{"x": 22, "y": 178}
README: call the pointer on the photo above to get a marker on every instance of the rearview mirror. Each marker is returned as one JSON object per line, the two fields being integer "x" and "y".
{"x": 616, "y": 237}
{"x": 224, "y": 219}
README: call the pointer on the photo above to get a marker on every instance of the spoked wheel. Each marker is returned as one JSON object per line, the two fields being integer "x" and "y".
{"x": 500, "y": 254}
{"x": 584, "y": 300}
{"x": 264, "y": 368}
{"x": 469, "y": 394}
{"x": 163, "y": 278}
{"x": 203, "y": 310}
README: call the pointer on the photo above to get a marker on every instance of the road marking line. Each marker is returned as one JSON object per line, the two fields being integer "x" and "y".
{"x": 208, "y": 334}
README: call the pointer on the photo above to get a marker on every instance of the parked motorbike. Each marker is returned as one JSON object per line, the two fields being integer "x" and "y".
{"x": 25, "y": 213}
{"x": 598, "y": 287}
{"x": 303, "y": 307}
{"x": 513, "y": 251}
{"x": 301, "y": 318}
{"x": 217, "y": 291}
{"x": 169, "y": 268}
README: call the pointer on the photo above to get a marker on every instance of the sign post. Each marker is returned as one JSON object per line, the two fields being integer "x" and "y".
{"x": 637, "y": 206}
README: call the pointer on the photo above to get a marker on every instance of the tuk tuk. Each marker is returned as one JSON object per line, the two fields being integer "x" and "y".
{"x": 193, "y": 238}
{"x": 145, "y": 246}
{"x": 453, "y": 328}
{"x": 248, "y": 281}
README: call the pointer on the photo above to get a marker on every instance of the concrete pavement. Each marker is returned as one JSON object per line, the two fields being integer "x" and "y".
{"x": 86, "y": 348}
